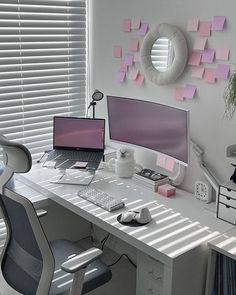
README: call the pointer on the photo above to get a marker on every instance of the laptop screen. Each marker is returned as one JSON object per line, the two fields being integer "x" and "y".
{"x": 78, "y": 133}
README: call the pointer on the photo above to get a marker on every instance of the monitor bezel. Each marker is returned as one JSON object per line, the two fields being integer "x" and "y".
{"x": 144, "y": 147}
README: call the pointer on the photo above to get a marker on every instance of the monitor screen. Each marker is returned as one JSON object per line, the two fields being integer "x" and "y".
{"x": 78, "y": 133}
{"x": 151, "y": 125}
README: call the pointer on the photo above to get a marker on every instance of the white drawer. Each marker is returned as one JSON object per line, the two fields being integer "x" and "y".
{"x": 227, "y": 213}
{"x": 227, "y": 200}
{"x": 228, "y": 192}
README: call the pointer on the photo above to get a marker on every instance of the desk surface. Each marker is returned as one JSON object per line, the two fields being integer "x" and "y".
{"x": 179, "y": 223}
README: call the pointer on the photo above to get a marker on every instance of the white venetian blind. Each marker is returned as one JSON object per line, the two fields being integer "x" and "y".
{"x": 42, "y": 67}
{"x": 162, "y": 54}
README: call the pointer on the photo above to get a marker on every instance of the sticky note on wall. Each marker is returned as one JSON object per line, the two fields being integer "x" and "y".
{"x": 117, "y": 51}
{"x": 134, "y": 44}
{"x": 193, "y": 23}
{"x": 126, "y": 26}
{"x": 218, "y": 23}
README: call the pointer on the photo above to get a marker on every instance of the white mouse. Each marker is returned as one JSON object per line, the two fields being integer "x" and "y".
{"x": 127, "y": 216}
{"x": 144, "y": 216}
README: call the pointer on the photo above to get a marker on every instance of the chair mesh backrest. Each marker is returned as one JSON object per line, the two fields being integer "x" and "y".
{"x": 27, "y": 262}
{"x": 22, "y": 262}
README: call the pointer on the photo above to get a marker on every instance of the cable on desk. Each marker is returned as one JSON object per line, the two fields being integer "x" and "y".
{"x": 125, "y": 255}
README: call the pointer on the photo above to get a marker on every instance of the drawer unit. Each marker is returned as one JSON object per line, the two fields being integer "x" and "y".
{"x": 228, "y": 192}
{"x": 226, "y": 207}
{"x": 227, "y": 213}
{"x": 227, "y": 201}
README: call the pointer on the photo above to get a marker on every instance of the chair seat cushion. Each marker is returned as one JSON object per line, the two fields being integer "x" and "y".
{"x": 97, "y": 273}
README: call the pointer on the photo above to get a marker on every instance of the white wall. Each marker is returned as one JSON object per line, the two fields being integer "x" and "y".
{"x": 208, "y": 127}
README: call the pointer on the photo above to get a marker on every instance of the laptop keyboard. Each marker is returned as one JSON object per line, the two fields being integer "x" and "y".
{"x": 75, "y": 156}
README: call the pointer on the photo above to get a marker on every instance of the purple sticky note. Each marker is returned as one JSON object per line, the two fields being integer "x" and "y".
{"x": 129, "y": 59}
{"x": 218, "y": 23}
{"x": 222, "y": 72}
{"x": 189, "y": 91}
{"x": 120, "y": 77}
{"x": 143, "y": 29}
{"x": 208, "y": 55}
{"x": 126, "y": 26}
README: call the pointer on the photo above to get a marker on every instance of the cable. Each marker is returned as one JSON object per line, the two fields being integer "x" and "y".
{"x": 103, "y": 242}
{"x": 134, "y": 265}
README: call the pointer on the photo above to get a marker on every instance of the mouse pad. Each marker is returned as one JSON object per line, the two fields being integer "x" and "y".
{"x": 132, "y": 223}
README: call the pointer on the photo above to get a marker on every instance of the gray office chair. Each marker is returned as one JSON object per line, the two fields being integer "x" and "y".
{"x": 30, "y": 265}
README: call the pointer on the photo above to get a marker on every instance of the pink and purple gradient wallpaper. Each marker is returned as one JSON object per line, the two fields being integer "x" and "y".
{"x": 79, "y": 133}
{"x": 155, "y": 126}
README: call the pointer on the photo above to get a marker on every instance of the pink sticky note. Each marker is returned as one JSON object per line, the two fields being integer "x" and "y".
{"x": 126, "y": 26}
{"x": 189, "y": 91}
{"x": 179, "y": 93}
{"x": 123, "y": 66}
{"x": 136, "y": 57}
{"x": 129, "y": 59}
{"x": 140, "y": 80}
{"x": 209, "y": 75}
{"x": 135, "y": 23}
{"x": 170, "y": 164}
{"x": 133, "y": 74}
{"x": 134, "y": 44}
{"x": 200, "y": 43}
{"x": 197, "y": 72}
{"x": 117, "y": 51}
{"x": 161, "y": 160}
{"x": 192, "y": 25}
{"x": 218, "y": 23}
{"x": 195, "y": 59}
{"x": 143, "y": 29}
{"x": 222, "y": 53}
{"x": 120, "y": 77}
{"x": 222, "y": 72}
{"x": 205, "y": 29}
{"x": 208, "y": 55}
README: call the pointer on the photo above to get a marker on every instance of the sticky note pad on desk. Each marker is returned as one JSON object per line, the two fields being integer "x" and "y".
{"x": 166, "y": 190}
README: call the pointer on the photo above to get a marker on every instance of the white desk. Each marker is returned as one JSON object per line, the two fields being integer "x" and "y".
{"x": 171, "y": 250}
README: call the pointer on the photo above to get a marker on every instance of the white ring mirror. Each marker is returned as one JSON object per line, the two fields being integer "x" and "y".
{"x": 164, "y": 54}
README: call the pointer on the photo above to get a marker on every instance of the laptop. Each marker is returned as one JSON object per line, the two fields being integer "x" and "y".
{"x": 77, "y": 143}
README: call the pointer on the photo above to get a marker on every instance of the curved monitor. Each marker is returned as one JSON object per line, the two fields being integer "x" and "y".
{"x": 154, "y": 126}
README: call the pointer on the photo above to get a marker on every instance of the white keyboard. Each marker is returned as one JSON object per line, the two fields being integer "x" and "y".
{"x": 101, "y": 199}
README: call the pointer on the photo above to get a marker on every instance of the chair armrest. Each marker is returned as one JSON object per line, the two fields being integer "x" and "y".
{"x": 82, "y": 260}
{"x": 41, "y": 212}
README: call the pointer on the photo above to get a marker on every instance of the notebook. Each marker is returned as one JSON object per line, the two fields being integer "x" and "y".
{"x": 78, "y": 143}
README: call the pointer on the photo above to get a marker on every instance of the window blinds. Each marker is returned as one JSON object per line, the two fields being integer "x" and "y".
{"x": 42, "y": 67}
{"x": 162, "y": 54}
